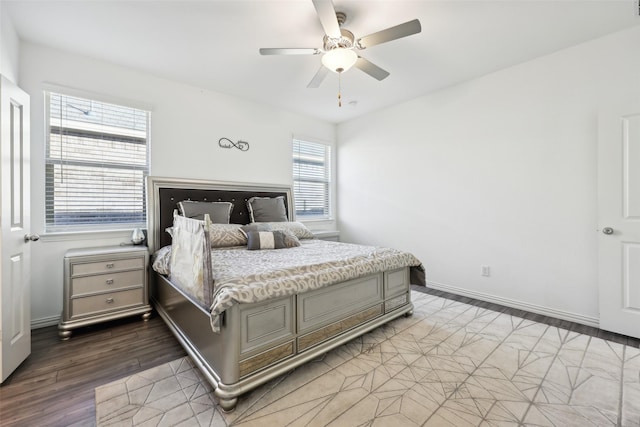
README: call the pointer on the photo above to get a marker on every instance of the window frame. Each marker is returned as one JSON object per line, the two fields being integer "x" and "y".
{"x": 97, "y": 226}
{"x": 330, "y": 160}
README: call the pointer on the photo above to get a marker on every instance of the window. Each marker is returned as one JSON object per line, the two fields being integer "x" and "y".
{"x": 97, "y": 158}
{"x": 312, "y": 179}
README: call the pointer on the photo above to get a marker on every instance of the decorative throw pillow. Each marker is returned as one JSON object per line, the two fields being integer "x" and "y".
{"x": 161, "y": 259}
{"x": 290, "y": 240}
{"x": 255, "y": 226}
{"x": 271, "y": 240}
{"x": 188, "y": 255}
{"x": 219, "y": 212}
{"x": 297, "y": 228}
{"x": 225, "y": 235}
{"x": 267, "y": 209}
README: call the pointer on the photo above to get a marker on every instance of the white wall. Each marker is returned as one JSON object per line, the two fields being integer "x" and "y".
{"x": 499, "y": 171}
{"x": 186, "y": 124}
{"x": 9, "y": 46}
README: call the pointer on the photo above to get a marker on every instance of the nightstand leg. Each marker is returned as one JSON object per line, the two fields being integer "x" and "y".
{"x": 146, "y": 316}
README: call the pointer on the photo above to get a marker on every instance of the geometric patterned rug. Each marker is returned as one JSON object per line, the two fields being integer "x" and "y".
{"x": 450, "y": 364}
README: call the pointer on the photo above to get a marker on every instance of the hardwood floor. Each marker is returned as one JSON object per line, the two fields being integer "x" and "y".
{"x": 55, "y": 385}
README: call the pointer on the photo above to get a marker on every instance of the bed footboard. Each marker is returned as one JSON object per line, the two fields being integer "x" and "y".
{"x": 261, "y": 341}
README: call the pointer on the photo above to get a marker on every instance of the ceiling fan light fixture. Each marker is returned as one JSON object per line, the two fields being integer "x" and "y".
{"x": 339, "y": 60}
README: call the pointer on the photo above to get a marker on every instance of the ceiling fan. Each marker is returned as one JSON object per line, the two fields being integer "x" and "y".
{"x": 339, "y": 44}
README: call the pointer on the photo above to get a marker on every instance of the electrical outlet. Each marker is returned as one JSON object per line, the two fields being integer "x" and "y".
{"x": 486, "y": 271}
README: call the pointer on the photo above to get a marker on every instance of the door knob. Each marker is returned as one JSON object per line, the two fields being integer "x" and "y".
{"x": 31, "y": 237}
{"x": 607, "y": 230}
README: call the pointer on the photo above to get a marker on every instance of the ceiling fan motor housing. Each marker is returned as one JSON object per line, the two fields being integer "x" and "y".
{"x": 346, "y": 41}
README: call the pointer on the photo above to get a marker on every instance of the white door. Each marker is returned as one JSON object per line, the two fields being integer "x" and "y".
{"x": 619, "y": 219}
{"x": 15, "y": 305}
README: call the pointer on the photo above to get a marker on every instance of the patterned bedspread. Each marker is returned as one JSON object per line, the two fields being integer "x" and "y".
{"x": 242, "y": 276}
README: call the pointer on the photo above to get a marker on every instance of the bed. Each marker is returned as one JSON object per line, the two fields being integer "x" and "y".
{"x": 241, "y": 333}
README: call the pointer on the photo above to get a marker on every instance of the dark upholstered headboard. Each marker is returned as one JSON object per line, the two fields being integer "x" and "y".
{"x": 163, "y": 195}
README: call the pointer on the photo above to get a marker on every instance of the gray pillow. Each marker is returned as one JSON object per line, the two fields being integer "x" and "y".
{"x": 267, "y": 209}
{"x": 271, "y": 240}
{"x": 219, "y": 212}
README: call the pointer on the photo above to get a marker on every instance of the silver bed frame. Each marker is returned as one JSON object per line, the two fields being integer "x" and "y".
{"x": 261, "y": 341}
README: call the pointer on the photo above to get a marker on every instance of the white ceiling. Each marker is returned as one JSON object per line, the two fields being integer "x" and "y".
{"x": 214, "y": 44}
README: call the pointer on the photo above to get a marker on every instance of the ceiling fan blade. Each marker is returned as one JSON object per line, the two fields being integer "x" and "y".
{"x": 327, "y": 15}
{"x": 372, "y": 69}
{"x": 319, "y": 77}
{"x": 288, "y": 51}
{"x": 391, "y": 33}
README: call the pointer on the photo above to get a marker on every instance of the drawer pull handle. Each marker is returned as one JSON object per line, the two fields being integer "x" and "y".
{"x": 109, "y": 281}
{"x": 109, "y": 300}
{"x": 110, "y": 265}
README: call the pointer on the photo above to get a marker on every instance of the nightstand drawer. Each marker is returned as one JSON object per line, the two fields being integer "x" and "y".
{"x": 107, "y": 266}
{"x": 106, "y": 282}
{"x": 106, "y": 302}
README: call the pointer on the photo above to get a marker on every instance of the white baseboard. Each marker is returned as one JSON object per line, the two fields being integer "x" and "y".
{"x": 44, "y": 322}
{"x": 546, "y": 311}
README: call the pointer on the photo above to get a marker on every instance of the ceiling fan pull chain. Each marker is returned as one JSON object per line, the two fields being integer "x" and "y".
{"x": 339, "y": 90}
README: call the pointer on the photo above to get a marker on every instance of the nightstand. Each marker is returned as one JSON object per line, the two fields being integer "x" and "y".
{"x": 104, "y": 283}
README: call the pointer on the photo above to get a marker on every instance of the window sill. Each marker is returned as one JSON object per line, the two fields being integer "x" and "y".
{"x": 66, "y": 236}
{"x": 333, "y": 235}
{"x": 315, "y": 220}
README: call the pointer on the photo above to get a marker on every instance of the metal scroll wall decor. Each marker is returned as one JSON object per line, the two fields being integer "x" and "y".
{"x": 227, "y": 143}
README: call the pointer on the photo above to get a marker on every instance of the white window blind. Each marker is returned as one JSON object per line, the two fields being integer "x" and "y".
{"x": 312, "y": 179}
{"x": 96, "y": 163}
